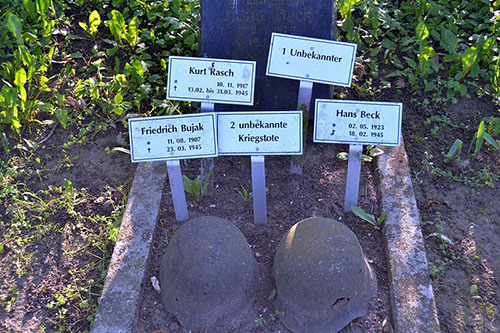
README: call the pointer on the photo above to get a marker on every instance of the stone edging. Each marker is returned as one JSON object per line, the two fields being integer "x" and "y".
{"x": 120, "y": 300}
{"x": 412, "y": 297}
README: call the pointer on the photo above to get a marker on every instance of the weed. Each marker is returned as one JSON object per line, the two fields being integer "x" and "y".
{"x": 245, "y": 194}
{"x": 372, "y": 151}
{"x": 195, "y": 187}
{"x": 482, "y": 135}
{"x": 273, "y": 316}
{"x": 490, "y": 310}
{"x": 361, "y": 213}
{"x": 420, "y": 140}
{"x": 9, "y": 300}
{"x": 260, "y": 321}
{"x": 46, "y": 79}
{"x": 440, "y": 123}
{"x": 422, "y": 44}
{"x": 93, "y": 24}
{"x": 439, "y": 266}
{"x": 454, "y": 152}
{"x": 468, "y": 176}
{"x": 123, "y": 31}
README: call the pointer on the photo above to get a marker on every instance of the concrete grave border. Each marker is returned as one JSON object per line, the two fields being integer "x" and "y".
{"x": 412, "y": 297}
{"x": 120, "y": 299}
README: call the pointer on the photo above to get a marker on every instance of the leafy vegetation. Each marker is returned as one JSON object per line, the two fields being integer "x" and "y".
{"x": 83, "y": 66}
{"x": 367, "y": 217}
{"x": 195, "y": 186}
{"x": 442, "y": 48}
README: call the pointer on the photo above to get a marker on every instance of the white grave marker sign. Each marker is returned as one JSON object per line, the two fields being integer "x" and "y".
{"x": 260, "y": 133}
{"x": 358, "y": 122}
{"x": 211, "y": 80}
{"x": 311, "y": 59}
{"x": 173, "y": 137}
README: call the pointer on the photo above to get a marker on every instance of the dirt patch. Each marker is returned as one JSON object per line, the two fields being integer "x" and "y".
{"x": 291, "y": 198}
{"x": 54, "y": 266}
{"x": 458, "y": 203}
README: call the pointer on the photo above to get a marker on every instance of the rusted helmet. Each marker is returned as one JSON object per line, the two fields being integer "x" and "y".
{"x": 323, "y": 280}
{"x": 208, "y": 276}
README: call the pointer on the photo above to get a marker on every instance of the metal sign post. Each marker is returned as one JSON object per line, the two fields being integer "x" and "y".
{"x": 177, "y": 189}
{"x": 309, "y": 60}
{"x": 209, "y": 81}
{"x": 353, "y": 175}
{"x": 171, "y": 138}
{"x": 304, "y": 104}
{"x": 259, "y": 189}
{"x": 207, "y": 164}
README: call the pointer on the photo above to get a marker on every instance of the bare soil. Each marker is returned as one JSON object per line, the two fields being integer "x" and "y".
{"x": 460, "y": 215}
{"x": 51, "y": 264}
{"x": 291, "y": 198}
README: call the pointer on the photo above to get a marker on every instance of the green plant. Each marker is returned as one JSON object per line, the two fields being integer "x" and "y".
{"x": 372, "y": 151}
{"x": 439, "y": 266}
{"x": 454, "y": 152}
{"x": 273, "y": 316}
{"x": 94, "y": 22}
{"x": 260, "y": 321}
{"x": 424, "y": 45}
{"x": 467, "y": 176}
{"x": 440, "y": 123}
{"x": 25, "y": 65}
{"x": 473, "y": 289}
{"x": 245, "y": 194}
{"x": 9, "y": 300}
{"x": 123, "y": 31}
{"x": 195, "y": 187}
{"x": 481, "y": 135}
{"x": 361, "y": 213}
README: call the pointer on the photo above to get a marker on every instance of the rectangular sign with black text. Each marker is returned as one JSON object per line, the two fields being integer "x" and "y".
{"x": 311, "y": 59}
{"x": 211, "y": 80}
{"x": 358, "y": 122}
{"x": 173, "y": 137}
{"x": 260, "y": 133}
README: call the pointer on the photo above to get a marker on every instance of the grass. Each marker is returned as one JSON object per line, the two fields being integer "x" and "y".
{"x": 83, "y": 67}
{"x": 80, "y": 67}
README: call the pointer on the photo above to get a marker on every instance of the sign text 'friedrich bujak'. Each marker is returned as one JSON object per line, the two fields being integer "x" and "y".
{"x": 173, "y": 137}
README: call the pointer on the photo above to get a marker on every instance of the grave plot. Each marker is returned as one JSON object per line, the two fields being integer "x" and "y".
{"x": 338, "y": 284}
{"x": 319, "y": 192}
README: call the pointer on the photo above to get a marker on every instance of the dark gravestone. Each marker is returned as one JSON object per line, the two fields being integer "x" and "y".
{"x": 233, "y": 29}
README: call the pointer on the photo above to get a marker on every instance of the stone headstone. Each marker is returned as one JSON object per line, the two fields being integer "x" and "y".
{"x": 233, "y": 29}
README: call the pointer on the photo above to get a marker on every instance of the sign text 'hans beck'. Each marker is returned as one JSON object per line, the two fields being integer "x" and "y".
{"x": 211, "y": 80}
{"x": 358, "y": 122}
{"x": 172, "y": 137}
{"x": 260, "y": 133}
{"x": 311, "y": 59}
